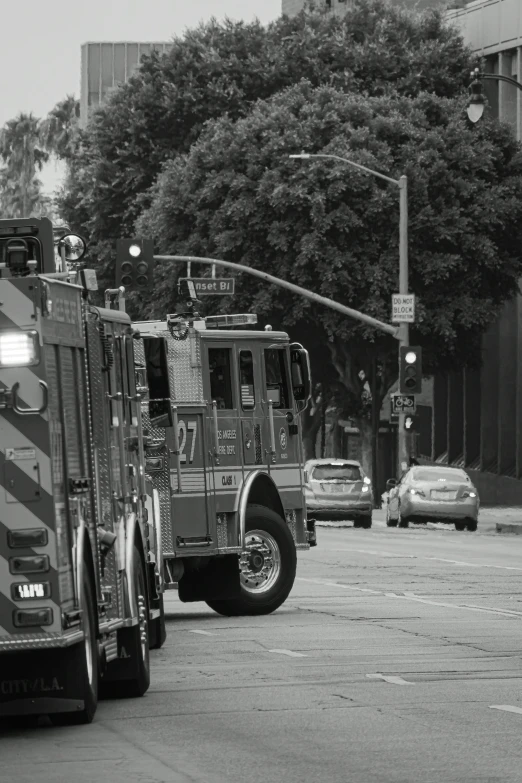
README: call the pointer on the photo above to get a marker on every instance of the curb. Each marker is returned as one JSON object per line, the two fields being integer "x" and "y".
{"x": 509, "y": 527}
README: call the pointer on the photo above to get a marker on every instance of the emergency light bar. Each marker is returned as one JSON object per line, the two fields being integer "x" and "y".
{"x": 19, "y": 348}
{"x": 241, "y": 319}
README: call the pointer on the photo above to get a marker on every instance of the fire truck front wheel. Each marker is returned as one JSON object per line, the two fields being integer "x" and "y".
{"x": 267, "y": 566}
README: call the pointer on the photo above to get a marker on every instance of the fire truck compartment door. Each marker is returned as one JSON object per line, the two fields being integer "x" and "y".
{"x": 21, "y": 480}
{"x": 190, "y": 513}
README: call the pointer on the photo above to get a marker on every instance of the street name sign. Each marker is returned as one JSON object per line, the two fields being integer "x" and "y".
{"x": 221, "y": 286}
{"x": 403, "y": 403}
{"x": 403, "y": 308}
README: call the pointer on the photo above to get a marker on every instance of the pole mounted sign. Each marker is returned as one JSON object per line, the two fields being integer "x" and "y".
{"x": 211, "y": 285}
{"x": 403, "y": 403}
{"x": 403, "y": 308}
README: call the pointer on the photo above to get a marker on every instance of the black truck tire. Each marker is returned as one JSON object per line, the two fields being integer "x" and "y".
{"x": 157, "y": 629}
{"x": 84, "y": 660}
{"x": 130, "y": 675}
{"x": 267, "y": 572}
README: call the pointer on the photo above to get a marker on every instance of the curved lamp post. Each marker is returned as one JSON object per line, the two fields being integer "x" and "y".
{"x": 404, "y": 334}
{"x": 475, "y": 108}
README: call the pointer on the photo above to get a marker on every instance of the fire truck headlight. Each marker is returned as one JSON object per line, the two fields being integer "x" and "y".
{"x": 19, "y": 349}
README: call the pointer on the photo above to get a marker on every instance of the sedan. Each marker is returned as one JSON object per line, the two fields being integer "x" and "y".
{"x": 338, "y": 489}
{"x": 433, "y": 493}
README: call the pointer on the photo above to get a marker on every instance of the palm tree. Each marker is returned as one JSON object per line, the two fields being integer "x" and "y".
{"x": 59, "y": 130}
{"x": 20, "y": 150}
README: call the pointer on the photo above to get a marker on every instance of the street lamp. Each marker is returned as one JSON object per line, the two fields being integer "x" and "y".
{"x": 404, "y": 339}
{"x": 475, "y": 108}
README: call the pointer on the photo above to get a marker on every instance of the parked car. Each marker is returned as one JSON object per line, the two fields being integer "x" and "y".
{"x": 337, "y": 489}
{"x": 433, "y": 493}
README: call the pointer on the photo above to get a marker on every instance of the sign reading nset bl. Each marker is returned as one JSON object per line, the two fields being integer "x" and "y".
{"x": 212, "y": 285}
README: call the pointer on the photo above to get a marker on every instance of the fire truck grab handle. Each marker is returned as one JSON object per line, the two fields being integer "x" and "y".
{"x": 29, "y": 411}
{"x": 216, "y": 433}
{"x": 272, "y": 431}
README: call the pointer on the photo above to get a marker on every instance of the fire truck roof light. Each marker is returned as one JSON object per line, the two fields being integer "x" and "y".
{"x": 240, "y": 319}
{"x": 18, "y": 349}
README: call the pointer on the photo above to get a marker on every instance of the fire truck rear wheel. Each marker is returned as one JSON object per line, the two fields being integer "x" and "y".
{"x": 267, "y": 566}
{"x": 84, "y": 660}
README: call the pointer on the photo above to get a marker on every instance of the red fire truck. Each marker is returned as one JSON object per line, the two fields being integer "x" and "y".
{"x": 229, "y": 471}
{"x": 79, "y": 525}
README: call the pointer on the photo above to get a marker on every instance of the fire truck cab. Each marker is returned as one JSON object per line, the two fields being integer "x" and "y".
{"x": 78, "y": 517}
{"x": 229, "y": 471}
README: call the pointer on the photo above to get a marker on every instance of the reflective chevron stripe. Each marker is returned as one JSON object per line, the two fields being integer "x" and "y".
{"x": 26, "y": 480}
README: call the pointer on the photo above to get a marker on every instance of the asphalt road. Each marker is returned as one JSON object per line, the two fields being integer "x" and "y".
{"x": 397, "y": 659}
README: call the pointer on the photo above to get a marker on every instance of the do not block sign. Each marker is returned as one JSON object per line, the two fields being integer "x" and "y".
{"x": 403, "y": 308}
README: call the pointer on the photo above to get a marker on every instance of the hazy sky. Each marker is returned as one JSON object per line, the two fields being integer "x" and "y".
{"x": 40, "y": 41}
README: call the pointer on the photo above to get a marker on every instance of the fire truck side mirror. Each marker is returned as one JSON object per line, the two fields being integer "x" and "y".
{"x": 301, "y": 375}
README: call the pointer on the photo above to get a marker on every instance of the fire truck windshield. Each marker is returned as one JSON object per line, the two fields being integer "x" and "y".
{"x": 276, "y": 377}
{"x": 220, "y": 377}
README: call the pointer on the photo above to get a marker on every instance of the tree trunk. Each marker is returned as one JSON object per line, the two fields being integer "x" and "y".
{"x": 365, "y": 431}
{"x": 311, "y": 424}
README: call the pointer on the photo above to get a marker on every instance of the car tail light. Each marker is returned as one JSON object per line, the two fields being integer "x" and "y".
{"x": 414, "y": 491}
{"x": 365, "y": 488}
{"x": 468, "y": 493}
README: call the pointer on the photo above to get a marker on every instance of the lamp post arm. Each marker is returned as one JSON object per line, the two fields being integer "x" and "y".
{"x": 304, "y": 156}
{"x": 498, "y": 77}
{"x": 296, "y": 289}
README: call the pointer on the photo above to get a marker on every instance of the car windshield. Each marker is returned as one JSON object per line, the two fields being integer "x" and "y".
{"x": 439, "y": 474}
{"x": 336, "y": 472}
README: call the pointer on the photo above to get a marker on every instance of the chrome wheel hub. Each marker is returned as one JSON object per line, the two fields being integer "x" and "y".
{"x": 260, "y": 562}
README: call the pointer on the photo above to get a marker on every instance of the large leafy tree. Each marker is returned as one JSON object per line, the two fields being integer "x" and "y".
{"x": 23, "y": 158}
{"x": 334, "y": 230}
{"x": 221, "y": 69}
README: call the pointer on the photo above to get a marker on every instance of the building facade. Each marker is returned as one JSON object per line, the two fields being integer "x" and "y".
{"x": 477, "y": 414}
{"x": 104, "y": 65}
{"x": 292, "y": 7}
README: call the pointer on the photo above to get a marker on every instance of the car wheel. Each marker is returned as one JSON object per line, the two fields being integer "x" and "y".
{"x": 471, "y": 525}
{"x": 366, "y": 521}
{"x": 389, "y": 521}
{"x": 460, "y": 526}
{"x": 402, "y": 521}
{"x": 358, "y": 523}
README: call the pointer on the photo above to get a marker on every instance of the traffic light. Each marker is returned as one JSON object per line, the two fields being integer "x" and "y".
{"x": 410, "y": 423}
{"x": 135, "y": 263}
{"x": 410, "y": 369}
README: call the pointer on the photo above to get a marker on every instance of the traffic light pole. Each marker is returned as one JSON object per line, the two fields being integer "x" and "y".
{"x": 404, "y": 331}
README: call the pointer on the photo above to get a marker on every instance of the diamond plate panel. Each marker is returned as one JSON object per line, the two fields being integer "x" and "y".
{"x": 222, "y": 535}
{"x": 257, "y": 440}
{"x": 291, "y": 521}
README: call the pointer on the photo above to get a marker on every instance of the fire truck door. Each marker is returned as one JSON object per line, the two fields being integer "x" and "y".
{"x": 222, "y": 380}
{"x": 281, "y": 437}
{"x": 254, "y": 448}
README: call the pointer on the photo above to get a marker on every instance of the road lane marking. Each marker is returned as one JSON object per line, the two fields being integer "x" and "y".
{"x": 413, "y": 597}
{"x": 291, "y": 653}
{"x": 392, "y": 679}
{"x": 203, "y": 633}
{"x": 401, "y": 556}
{"x": 506, "y": 708}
